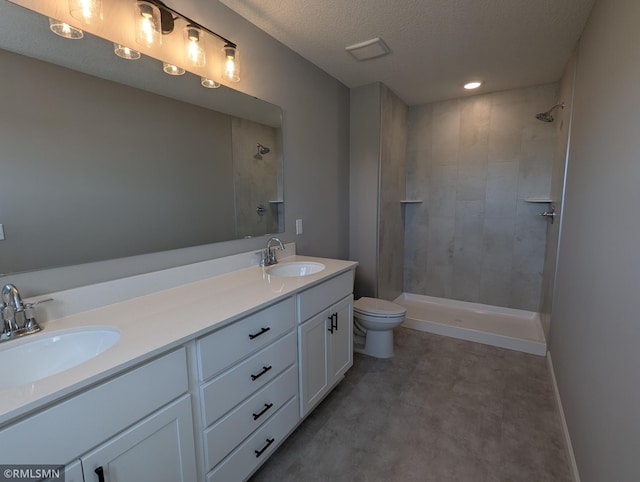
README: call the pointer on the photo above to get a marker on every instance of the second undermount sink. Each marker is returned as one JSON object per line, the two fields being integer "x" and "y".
{"x": 35, "y": 357}
{"x": 295, "y": 268}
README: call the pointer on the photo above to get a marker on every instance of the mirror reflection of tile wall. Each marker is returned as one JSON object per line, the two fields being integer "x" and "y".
{"x": 258, "y": 178}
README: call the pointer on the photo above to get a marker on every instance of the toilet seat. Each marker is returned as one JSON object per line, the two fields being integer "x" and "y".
{"x": 376, "y": 308}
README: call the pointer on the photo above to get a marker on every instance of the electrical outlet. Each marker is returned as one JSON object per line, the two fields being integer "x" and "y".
{"x": 298, "y": 226}
{"x": 1, "y": 232}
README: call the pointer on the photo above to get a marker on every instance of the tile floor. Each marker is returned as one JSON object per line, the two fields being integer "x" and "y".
{"x": 441, "y": 410}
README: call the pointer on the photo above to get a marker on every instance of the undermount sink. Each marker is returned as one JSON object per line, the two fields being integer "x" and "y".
{"x": 35, "y": 357}
{"x": 295, "y": 268}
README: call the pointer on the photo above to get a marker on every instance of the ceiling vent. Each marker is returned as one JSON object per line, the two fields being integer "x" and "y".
{"x": 369, "y": 49}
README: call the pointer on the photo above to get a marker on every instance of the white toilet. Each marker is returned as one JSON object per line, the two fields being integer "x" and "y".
{"x": 374, "y": 321}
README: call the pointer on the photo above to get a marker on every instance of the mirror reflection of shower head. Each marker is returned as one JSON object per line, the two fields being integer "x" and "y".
{"x": 261, "y": 150}
{"x": 546, "y": 116}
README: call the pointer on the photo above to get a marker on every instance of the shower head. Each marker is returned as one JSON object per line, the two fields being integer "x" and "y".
{"x": 546, "y": 116}
{"x": 261, "y": 150}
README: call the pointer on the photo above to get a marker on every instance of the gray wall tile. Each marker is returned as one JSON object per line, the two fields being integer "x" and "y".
{"x": 473, "y": 161}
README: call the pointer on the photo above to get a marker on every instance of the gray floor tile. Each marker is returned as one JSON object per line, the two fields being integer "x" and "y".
{"x": 441, "y": 410}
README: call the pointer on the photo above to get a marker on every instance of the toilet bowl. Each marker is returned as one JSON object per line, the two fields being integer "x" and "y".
{"x": 375, "y": 320}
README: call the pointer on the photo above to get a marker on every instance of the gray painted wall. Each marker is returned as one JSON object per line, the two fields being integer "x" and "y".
{"x": 315, "y": 146}
{"x": 595, "y": 328}
{"x": 364, "y": 184}
{"x": 377, "y": 184}
{"x": 393, "y": 159}
{"x": 474, "y": 161}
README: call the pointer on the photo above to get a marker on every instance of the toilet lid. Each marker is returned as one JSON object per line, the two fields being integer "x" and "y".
{"x": 378, "y": 307}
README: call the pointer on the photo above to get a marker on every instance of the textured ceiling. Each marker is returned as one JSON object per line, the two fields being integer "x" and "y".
{"x": 436, "y": 45}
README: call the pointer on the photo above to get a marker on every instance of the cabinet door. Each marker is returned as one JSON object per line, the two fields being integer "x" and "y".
{"x": 72, "y": 473}
{"x": 312, "y": 346}
{"x": 341, "y": 339}
{"x": 160, "y": 448}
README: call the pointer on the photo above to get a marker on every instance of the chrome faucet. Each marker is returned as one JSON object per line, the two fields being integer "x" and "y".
{"x": 18, "y": 318}
{"x": 268, "y": 255}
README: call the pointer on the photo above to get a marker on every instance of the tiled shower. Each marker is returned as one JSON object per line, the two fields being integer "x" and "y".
{"x": 475, "y": 162}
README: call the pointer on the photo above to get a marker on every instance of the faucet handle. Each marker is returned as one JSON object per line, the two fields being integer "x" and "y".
{"x": 8, "y": 315}
{"x": 30, "y": 323}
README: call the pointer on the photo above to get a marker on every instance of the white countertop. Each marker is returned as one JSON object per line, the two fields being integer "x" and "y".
{"x": 157, "y": 322}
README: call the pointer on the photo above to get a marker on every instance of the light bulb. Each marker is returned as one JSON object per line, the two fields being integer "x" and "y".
{"x": 87, "y": 11}
{"x": 194, "y": 54}
{"x": 148, "y": 24}
{"x": 231, "y": 65}
{"x": 64, "y": 29}
{"x": 209, "y": 83}
{"x": 125, "y": 52}
{"x": 172, "y": 69}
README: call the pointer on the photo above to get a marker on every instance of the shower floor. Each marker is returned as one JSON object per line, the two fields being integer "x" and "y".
{"x": 492, "y": 325}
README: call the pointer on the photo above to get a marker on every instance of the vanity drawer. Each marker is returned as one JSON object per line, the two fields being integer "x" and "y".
{"x": 91, "y": 417}
{"x": 224, "y": 347}
{"x": 246, "y": 458}
{"x": 232, "y": 387}
{"x": 224, "y": 436}
{"x": 318, "y": 298}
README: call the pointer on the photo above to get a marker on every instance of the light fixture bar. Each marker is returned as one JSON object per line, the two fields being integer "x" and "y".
{"x": 163, "y": 6}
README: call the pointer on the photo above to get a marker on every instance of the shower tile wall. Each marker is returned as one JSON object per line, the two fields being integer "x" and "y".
{"x": 257, "y": 181}
{"x": 473, "y": 161}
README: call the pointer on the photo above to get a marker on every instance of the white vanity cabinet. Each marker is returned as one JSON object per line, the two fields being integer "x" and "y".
{"x": 137, "y": 419}
{"x": 248, "y": 390}
{"x": 325, "y": 338}
{"x": 158, "y": 448}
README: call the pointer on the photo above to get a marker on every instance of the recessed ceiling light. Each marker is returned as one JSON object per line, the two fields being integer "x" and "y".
{"x": 472, "y": 85}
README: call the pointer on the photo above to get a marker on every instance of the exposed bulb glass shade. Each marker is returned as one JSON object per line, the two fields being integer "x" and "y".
{"x": 65, "y": 30}
{"x": 125, "y": 52}
{"x": 208, "y": 83}
{"x": 87, "y": 11}
{"x": 194, "y": 41}
{"x": 147, "y": 24}
{"x": 172, "y": 69}
{"x": 231, "y": 63}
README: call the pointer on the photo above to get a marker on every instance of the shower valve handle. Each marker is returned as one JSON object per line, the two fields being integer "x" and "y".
{"x": 551, "y": 214}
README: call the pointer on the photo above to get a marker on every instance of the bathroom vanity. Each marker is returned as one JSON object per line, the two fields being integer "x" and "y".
{"x": 207, "y": 379}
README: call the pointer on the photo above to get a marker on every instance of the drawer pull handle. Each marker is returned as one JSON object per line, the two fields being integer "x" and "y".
{"x": 258, "y": 375}
{"x": 333, "y": 318}
{"x": 267, "y": 406}
{"x": 256, "y": 335}
{"x": 100, "y": 472}
{"x": 260, "y": 452}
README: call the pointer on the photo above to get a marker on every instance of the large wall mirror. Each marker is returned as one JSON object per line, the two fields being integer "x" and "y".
{"x": 105, "y": 158}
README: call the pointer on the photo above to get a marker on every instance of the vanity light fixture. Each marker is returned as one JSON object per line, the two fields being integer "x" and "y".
{"x": 172, "y": 69}
{"x": 65, "y": 30}
{"x": 87, "y": 11}
{"x": 472, "y": 85}
{"x": 209, "y": 83}
{"x": 125, "y": 52}
{"x": 231, "y": 70}
{"x": 194, "y": 52}
{"x": 193, "y": 36}
{"x": 148, "y": 24}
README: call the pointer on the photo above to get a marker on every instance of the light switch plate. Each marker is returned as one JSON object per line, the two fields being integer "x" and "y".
{"x": 1, "y": 232}
{"x": 298, "y": 226}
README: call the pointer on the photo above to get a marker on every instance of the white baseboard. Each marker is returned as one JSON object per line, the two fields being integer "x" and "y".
{"x": 573, "y": 466}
